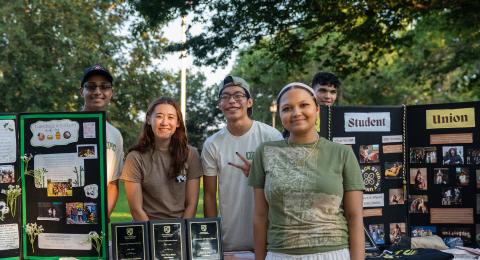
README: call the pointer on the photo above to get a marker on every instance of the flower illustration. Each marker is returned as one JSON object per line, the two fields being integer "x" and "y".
{"x": 33, "y": 230}
{"x": 96, "y": 240}
{"x": 12, "y": 193}
{"x": 3, "y": 210}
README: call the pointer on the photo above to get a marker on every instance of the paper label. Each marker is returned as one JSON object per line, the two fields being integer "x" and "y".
{"x": 367, "y": 122}
{"x": 60, "y": 167}
{"x": 392, "y": 139}
{"x": 344, "y": 140}
{"x": 450, "y": 118}
{"x": 64, "y": 241}
{"x": 373, "y": 200}
{"x": 9, "y": 238}
{"x": 8, "y": 141}
{"x": 54, "y": 132}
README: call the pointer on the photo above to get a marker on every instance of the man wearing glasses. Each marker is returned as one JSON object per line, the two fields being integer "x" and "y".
{"x": 97, "y": 91}
{"x": 226, "y": 156}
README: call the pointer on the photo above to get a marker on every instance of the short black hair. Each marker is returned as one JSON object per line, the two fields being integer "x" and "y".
{"x": 325, "y": 78}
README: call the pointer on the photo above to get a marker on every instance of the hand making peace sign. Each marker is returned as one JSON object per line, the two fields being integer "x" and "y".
{"x": 245, "y": 168}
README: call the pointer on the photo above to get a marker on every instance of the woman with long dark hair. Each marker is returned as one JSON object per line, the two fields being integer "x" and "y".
{"x": 161, "y": 171}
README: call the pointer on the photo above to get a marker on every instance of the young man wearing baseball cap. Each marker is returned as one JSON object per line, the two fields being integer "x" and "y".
{"x": 226, "y": 157}
{"x": 97, "y": 91}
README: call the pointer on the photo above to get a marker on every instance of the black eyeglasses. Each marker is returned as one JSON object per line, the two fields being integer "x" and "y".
{"x": 103, "y": 86}
{"x": 236, "y": 96}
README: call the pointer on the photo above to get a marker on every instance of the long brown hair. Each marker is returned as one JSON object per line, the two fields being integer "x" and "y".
{"x": 178, "y": 144}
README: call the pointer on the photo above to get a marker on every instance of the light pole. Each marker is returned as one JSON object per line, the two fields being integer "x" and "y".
{"x": 273, "y": 109}
{"x": 183, "y": 78}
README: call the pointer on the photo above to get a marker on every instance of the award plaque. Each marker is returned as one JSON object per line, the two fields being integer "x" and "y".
{"x": 204, "y": 239}
{"x": 168, "y": 239}
{"x": 130, "y": 241}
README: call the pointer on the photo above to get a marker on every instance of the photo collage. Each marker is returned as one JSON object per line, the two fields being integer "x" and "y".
{"x": 444, "y": 163}
{"x": 419, "y": 162}
{"x": 63, "y": 181}
{"x": 377, "y": 141}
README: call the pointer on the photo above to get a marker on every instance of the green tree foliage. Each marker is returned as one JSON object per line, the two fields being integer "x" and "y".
{"x": 437, "y": 65}
{"x": 292, "y": 26}
{"x": 46, "y": 45}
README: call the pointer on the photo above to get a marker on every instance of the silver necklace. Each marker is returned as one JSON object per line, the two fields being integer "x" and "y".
{"x": 302, "y": 162}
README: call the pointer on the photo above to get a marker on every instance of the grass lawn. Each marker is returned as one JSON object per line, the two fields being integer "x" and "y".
{"x": 121, "y": 213}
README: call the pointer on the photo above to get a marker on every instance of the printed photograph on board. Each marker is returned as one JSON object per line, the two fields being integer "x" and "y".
{"x": 396, "y": 197}
{"x": 7, "y": 174}
{"x": 369, "y": 153}
{"x": 478, "y": 178}
{"x": 463, "y": 176}
{"x": 440, "y": 176}
{"x": 452, "y": 196}
{"x": 393, "y": 170}
{"x": 50, "y": 211}
{"x": 473, "y": 156}
{"x": 59, "y": 188}
{"x": 397, "y": 230}
{"x": 87, "y": 151}
{"x": 418, "y": 178}
{"x": 81, "y": 213}
{"x": 423, "y": 154}
{"x": 430, "y": 154}
{"x": 423, "y": 231}
{"x": 418, "y": 204}
{"x": 452, "y": 155}
{"x": 377, "y": 232}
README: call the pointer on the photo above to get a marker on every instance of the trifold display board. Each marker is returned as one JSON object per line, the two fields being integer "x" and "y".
{"x": 60, "y": 160}
{"x": 10, "y": 212}
{"x": 420, "y": 165}
{"x": 376, "y": 137}
{"x": 444, "y": 175}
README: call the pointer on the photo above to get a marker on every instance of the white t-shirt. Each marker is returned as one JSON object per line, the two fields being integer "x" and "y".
{"x": 114, "y": 153}
{"x": 236, "y": 197}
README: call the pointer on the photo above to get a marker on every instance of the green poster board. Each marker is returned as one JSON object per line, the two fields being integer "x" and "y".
{"x": 63, "y": 185}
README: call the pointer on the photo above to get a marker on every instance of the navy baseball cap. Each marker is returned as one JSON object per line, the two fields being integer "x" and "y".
{"x": 96, "y": 69}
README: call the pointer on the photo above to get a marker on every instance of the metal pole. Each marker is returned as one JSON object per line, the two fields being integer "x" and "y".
{"x": 273, "y": 119}
{"x": 183, "y": 87}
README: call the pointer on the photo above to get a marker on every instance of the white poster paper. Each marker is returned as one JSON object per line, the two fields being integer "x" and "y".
{"x": 9, "y": 238}
{"x": 89, "y": 130}
{"x": 344, "y": 140}
{"x": 60, "y": 167}
{"x": 8, "y": 141}
{"x": 64, "y": 241}
{"x": 367, "y": 122}
{"x": 392, "y": 139}
{"x": 54, "y": 132}
{"x": 91, "y": 191}
{"x": 373, "y": 200}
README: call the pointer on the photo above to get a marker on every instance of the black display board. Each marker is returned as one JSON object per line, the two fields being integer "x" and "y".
{"x": 444, "y": 170}
{"x": 63, "y": 185}
{"x": 376, "y": 135}
{"x": 10, "y": 199}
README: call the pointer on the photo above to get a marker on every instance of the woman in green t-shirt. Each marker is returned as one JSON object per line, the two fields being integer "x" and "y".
{"x": 308, "y": 190}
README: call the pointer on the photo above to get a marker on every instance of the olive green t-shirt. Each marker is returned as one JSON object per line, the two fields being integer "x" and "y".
{"x": 304, "y": 187}
{"x": 163, "y": 196}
